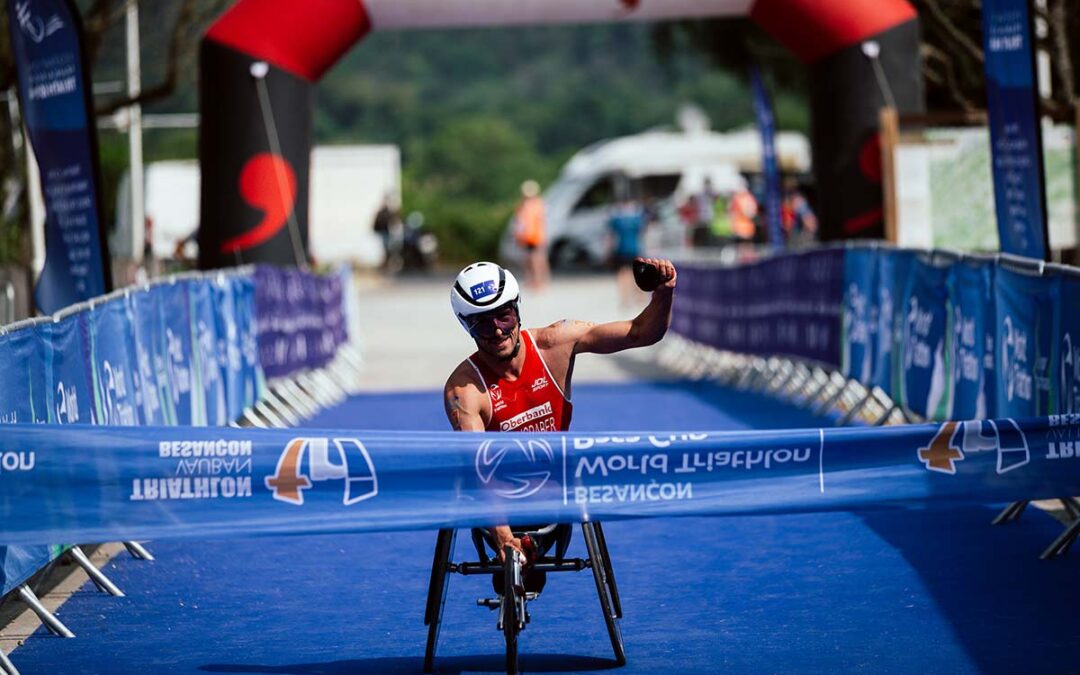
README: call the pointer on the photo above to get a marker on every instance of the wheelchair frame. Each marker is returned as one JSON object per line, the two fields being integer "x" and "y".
{"x": 513, "y": 602}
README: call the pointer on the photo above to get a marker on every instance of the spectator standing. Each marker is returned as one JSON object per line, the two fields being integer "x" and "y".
{"x": 800, "y": 223}
{"x": 530, "y": 233}
{"x": 389, "y": 228}
{"x": 704, "y": 212}
{"x": 626, "y": 223}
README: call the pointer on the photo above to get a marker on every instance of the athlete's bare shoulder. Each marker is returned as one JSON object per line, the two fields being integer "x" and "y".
{"x": 464, "y": 399}
{"x": 561, "y": 333}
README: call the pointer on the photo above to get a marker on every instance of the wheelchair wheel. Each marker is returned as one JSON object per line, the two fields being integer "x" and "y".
{"x": 599, "y": 564}
{"x": 609, "y": 571}
{"x": 440, "y": 580}
{"x": 512, "y": 618}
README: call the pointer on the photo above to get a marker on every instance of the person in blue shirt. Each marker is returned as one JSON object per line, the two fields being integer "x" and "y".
{"x": 626, "y": 223}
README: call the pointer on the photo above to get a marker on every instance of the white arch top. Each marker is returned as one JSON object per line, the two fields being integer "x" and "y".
{"x": 408, "y": 14}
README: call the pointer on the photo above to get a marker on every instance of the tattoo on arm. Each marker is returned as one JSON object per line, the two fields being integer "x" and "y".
{"x": 453, "y": 411}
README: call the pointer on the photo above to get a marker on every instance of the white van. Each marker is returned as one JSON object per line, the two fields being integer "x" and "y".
{"x": 662, "y": 166}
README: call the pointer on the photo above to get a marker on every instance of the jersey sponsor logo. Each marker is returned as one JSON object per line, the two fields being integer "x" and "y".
{"x": 955, "y": 441}
{"x": 483, "y": 289}
{"x": 349, "y": 462}
{"x": 539, "y": 383}
{"x": 496, "y": 392}
{"x": 515, "y": 469}
{"x": 535, "y": 413}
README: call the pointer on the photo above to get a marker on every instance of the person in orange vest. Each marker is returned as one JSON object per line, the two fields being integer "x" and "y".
{"x": 743, "y": 209}
{"x": 530, "y": 232}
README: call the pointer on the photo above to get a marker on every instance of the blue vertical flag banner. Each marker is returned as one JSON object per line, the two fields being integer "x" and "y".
{"x": 1067, "y": 382}
{"x": 860, "y": 320}
{"x": 1015, "y": 135}
{"x": 151, "y": 356}
{"x": 179, "y": 349}
{"x": 766, "y": 123}
{"x": 971, "y": 342}
{"x": 67, "y": 359}
{"x": 208, "y": 376}
{"x": 893, "y": 267}
{"x": 118, "y": 394}
{"x": 1026, "y": 308}
{"x": 54, "y": 90}
{"x": 925, "y": 384}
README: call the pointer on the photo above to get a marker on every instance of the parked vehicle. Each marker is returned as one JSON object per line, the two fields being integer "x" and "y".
{"x": 660, "y": 168}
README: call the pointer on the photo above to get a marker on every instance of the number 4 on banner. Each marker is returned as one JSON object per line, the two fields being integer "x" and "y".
{"x": 941, "y": 453}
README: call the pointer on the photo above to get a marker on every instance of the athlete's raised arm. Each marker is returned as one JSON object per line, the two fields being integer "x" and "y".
{"x": 606, "y": 338}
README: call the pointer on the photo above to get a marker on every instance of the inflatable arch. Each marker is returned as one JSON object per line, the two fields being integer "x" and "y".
{"x": 259, "y": 62}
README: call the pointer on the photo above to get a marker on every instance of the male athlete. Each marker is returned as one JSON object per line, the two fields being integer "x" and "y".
{"x": 519, "y": 380}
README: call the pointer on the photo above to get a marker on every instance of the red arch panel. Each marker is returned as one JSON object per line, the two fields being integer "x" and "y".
{"x": 813, "y": 29}
{"x": 305, "y": 38}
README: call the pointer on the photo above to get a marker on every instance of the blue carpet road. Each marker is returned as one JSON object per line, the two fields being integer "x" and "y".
{"x": 889, "y": 591}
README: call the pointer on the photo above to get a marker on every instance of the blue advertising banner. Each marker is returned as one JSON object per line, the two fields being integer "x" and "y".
{"x": 246, "y": 325}
{"x": 114, "y": 365}
{"x": 24, "y": 396}
{"x": 152, "y": 356}
{"x": 67, "y": 360}
{"x": 788, "y": 304}
{"x": 766, "y": 124}
{"x": 22, "y": 401}
{"x": 925, "y": 386}
{"x": 175, "y": 311}
{"x": 229, "y": 348}
{"x": 166, "y": 482}
{"x": 1067, "y": 382}
{"x": 860, "y": 321}
{"x": 54, "y": 91}
{"x": 971, "y": 342}
{"x": 209, "y": 380}
{"x": 894, "y": 267}
{"x": 1015, "y": 135}
{"x": 1026, "y": 309}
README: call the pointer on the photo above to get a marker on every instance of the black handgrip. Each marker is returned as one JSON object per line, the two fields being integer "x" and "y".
{"x": 646, "y": 276}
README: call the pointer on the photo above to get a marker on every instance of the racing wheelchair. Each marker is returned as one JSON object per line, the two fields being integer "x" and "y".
{"x": 518, "y": 582}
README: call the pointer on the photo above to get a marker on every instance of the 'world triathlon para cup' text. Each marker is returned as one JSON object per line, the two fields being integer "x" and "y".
{"x": 664, "y": 476}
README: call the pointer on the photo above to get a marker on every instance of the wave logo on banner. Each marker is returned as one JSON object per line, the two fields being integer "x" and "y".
{"x": 1002, "y": 436}
{"x": 1070, "y": 374}
{"x": 36, "y": 28}
{"x": 353, "y": 466}
{"x": 1014, "y": 361}
{"x": 526, "y": 471}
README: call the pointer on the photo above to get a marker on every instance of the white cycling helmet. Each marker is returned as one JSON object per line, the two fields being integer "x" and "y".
{"x": 482, "y": 287}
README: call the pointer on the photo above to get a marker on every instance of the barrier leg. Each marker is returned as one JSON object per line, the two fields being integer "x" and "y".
{"x": 279, "y": 408}
{"x": 1061, "y": 545}
{"x": 6, "y": 666}
{"x": 850, "y": 414}
{"x": 97, "y": 576}
{"x": 137, "y": 551}
{"x": 1072, "y": 507}
{"x": 831, "y": 401}
{"x": 1010, "y": 512}
{"x": 55, "y": 626}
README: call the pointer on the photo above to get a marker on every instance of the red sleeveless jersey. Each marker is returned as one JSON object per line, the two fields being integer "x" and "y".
{"x": 532, "y": 402}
